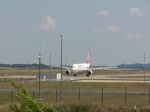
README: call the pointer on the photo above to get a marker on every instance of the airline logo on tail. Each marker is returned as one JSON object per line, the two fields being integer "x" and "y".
{"x": 88, "y": 58}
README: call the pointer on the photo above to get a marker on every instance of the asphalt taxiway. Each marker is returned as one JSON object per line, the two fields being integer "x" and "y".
{"x": 128, "y": 78}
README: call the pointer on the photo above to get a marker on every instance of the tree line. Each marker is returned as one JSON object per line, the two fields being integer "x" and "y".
{"x": 44, "y": 66}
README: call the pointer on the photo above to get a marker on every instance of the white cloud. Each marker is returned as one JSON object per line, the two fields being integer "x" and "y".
{"x": 134, "y": 37}
{"x": 113, "y": 29}
{"x": 102, "y": 13}
{"x": 135, "y": 12}
{"x": 47, "y": 24}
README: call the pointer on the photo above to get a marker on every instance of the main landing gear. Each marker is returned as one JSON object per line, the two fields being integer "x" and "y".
{"x": 87, "y": 75}
{"x": 75, "y": 75}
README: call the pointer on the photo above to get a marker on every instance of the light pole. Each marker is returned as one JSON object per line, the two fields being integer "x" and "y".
{"x": 144, "y": 73}
{"x": 49, "y": 71}
{"x": 61, "y": 70}
{"x": 39, "y": 76}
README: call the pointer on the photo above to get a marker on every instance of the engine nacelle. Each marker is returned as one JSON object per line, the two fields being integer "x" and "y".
{"x": 89, "y": 72}
{"x": 68, "y": 72}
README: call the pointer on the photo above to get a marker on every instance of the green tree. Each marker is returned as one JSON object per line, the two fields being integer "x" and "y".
{"x": 27, "y": 102}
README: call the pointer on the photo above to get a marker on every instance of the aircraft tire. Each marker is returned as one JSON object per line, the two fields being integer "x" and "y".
{"x": 75, "y": 75}
{"x": 87, "y": 75}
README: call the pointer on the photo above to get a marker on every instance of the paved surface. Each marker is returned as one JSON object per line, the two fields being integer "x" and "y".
{"x": 15, "y": 77}
{"x": 123, "y": 78}
{"x": 130, "y": 78}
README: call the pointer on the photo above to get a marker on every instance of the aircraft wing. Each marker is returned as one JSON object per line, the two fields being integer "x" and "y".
{"x": 67, "y": 68}
{"x": 102, "y": 68}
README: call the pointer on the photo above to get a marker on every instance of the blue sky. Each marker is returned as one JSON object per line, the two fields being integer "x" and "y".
{"x": 115, "y": 31}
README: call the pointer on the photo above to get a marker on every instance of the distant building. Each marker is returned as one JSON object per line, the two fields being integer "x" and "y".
{"x": 47, "y": 77}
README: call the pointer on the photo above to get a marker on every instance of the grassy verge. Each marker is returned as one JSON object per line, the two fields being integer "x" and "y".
{"x": 85, "y": 101}
{"x": 89, "y": 93}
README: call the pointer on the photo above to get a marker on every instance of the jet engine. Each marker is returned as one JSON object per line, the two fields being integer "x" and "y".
{"x": 68, "y": 72}
{"x": 89, "y": 72}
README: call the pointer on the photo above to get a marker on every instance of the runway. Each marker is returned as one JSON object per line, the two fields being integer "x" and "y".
{"x": 17, "y": 77}
{"x": 120, "y": 78}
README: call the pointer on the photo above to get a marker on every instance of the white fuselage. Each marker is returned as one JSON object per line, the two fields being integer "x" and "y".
{"x": 78, "y": 68}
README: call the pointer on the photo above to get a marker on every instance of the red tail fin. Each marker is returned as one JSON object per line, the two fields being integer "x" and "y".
{"x": 88, "y": 58}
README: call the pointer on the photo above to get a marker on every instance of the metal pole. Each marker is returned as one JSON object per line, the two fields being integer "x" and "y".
{"x": 125, "y": 95}
{"x": 39, "y": 76}
{"x": 79, "y": 96}
{"x": 61, "y": 70}
{"x": 49, "y": 72}
{"x": 144, "y": 73}
{"x": 102, "y": 96}
{"x": 149, "y": 94}
{"x": 56, "y": 96}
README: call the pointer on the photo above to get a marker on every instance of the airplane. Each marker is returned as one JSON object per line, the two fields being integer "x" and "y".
{"x": 82, "y": 67}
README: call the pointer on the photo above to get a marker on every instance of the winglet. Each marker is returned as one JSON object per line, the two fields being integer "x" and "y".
{"x": 88, "y": 58}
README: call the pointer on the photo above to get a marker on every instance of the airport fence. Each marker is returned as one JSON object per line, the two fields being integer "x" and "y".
{"x": 104, "y": 96}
